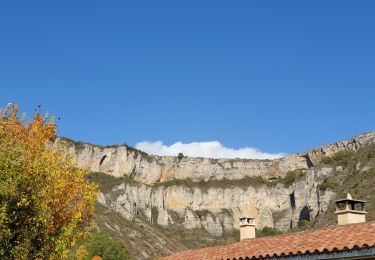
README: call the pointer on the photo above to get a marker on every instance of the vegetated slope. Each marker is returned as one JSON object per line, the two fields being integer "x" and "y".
{"x": 350, "y": 172}
{"x": 148, "y": 240}
{"x": 144, "y": 239}
{"x": 188, "y": 213}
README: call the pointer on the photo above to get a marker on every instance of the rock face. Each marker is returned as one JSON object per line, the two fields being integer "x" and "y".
{"x": 217, "y": 210}
{"x": 171, "y": 191}
{"x": 126, "y": 161}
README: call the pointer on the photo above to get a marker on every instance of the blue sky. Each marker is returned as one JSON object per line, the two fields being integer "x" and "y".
{"x": 281, "y": 76}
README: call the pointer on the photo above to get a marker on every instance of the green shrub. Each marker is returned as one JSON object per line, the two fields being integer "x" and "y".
{"x": 327, "y": 184}
{"x": 366, "y": 175}
{"x": 202, "y": 213}
{"x": 342, "y": 158}
{"x": 326, "y": 160}
{"x": 180, "y": 156}
{"x": 371, "y": 155}
{"x": 101, "y": 244}
{"x": 291, "y": 177}
{"x": 303, "y": 223}
{"x": 269, "y": 231}
{"x": 154, "y": 214}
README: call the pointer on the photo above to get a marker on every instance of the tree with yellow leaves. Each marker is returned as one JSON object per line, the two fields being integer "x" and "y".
{"x": 45, "y": 202}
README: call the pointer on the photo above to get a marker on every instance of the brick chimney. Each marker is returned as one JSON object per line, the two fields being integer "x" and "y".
{"x": 350, "y": 211}
{"x": 247, "y": 228}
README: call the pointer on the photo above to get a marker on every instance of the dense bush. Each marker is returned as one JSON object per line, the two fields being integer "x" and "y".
{"x": 268, "y": 231}
{"x": 303, "y": 223}
{"x": 180, "y": 156}
{"x": 291, "y": 177}
{"x": 45, "y": 202}
{"x": 327, "y": 184}
{"x": 101, "y": 244}
{"x": 340, "y": 158}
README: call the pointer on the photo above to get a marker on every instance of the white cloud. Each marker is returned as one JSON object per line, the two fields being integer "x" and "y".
{"x": 213, "y": 149}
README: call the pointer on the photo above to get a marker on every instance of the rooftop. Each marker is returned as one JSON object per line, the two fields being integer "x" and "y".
{"x": 326, "y": 240}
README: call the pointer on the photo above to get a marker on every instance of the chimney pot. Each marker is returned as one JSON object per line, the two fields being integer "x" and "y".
{"x": 247, "y": 228}
{"x": 348, "y": 213}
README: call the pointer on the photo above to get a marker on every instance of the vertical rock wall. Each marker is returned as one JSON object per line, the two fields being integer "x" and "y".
{"x": 154, "y": 195}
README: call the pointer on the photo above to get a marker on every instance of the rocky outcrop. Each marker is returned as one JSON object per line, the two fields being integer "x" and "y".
{"x": 217, "y": 209}
{"x": 126, "y": 161}
{"x": 212, "y": 194}
{"x": 352, "y": 144}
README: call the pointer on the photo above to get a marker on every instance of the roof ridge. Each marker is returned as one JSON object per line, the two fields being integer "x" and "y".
{"x": 362, "y": 239}
{"x": 307, "y": 231}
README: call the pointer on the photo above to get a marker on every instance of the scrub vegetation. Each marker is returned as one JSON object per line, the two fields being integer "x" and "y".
{"x": 354, "y": 173}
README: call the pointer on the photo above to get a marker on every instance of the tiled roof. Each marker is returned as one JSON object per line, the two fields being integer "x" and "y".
{"x": 331, "y": 239}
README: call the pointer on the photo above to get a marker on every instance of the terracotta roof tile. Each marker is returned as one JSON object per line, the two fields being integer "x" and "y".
{"x": 338, "y": 238}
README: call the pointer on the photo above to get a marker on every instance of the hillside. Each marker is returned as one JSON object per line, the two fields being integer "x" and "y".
{"x": 171, "y": 203}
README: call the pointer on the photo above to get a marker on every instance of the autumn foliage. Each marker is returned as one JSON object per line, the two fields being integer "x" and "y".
{"x": 45, "y": 202}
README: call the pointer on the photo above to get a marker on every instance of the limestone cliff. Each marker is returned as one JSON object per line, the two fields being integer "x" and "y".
{"x": 211, "y": 194}
{"x": 123, "y": 160}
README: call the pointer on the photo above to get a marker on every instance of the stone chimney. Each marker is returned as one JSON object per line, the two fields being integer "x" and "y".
{"x": 350, "y": 211}
{"x": 247, "y": 228}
